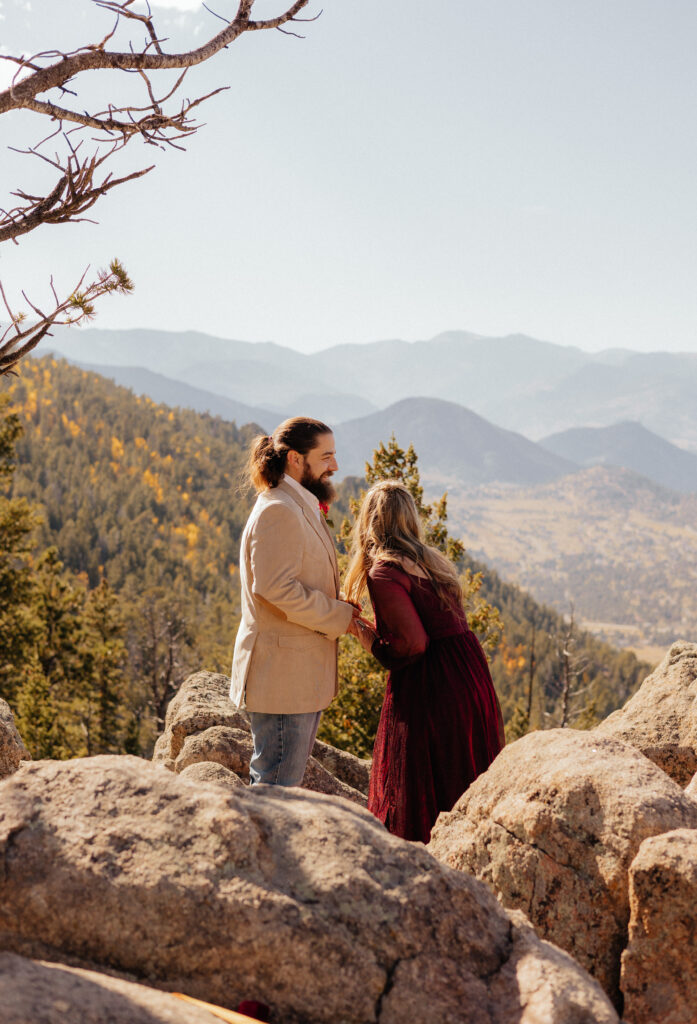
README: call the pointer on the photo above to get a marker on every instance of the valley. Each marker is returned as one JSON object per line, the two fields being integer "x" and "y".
{"x": 620, "y": 550}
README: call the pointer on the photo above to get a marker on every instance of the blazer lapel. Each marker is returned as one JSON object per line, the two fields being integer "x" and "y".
{"x": 335, "y": 562}
{"x": 320, "y": 528}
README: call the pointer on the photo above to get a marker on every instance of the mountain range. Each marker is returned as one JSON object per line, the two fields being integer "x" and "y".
{"x": 453, "y": 443}
{"x": 534, "y": 387}
{"x": 457, "y": 446}
{"x": 629, "y": 445}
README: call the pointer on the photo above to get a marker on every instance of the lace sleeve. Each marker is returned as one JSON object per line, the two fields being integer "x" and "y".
{"x": 401, "y": 638}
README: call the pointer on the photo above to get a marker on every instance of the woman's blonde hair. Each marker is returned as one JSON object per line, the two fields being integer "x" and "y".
{"x": 387, "y": 528}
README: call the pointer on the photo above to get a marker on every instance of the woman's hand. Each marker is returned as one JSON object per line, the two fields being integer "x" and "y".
{"x": 364, "y": 632}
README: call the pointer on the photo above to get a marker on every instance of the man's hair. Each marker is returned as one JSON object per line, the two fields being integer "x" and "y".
{"x": 267, "y": 458}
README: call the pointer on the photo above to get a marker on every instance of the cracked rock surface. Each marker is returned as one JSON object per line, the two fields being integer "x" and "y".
{"x": 553, "y": 827}
{"x": 12, "y": 749}
{"x": 36, "y": 992}
{"x": 203, "y": 725}
{"x": 660, "y": 719}
{"x": 659, "y": 966}
{"x": 300, "y": 900}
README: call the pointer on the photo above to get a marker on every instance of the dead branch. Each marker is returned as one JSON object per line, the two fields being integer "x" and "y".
{"x": 23, "y": 92}
{"x": 17, "y": 340}
{"x": 155, "y": 121}
{"x": 160, "y": 120}
{"x": 76, "y": 191}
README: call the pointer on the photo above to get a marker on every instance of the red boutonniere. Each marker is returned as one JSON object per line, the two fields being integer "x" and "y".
{"x": 324, "y": 509}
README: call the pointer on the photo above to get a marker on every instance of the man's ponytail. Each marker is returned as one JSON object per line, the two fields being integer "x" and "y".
{"x": 267, "y": 457}
{"x": 265, "y": 465}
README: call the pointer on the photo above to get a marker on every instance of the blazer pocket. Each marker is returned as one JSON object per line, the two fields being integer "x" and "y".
{"x": 298, "y": 643}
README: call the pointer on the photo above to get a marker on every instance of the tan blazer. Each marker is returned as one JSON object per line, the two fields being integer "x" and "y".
{"x": 286, "y": 646}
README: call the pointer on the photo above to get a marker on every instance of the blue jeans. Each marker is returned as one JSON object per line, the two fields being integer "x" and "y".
{"x": 282, "y": 745}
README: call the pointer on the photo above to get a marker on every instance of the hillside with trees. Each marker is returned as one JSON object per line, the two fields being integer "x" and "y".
{"x": 120, "y": 537}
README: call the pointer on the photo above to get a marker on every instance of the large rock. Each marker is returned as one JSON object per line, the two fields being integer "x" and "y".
{"x": 203, "y": 725}
{"x": 12, "y": 749}
{"x": 221, "y": 744}
{"x": 202, "y": 701}
{"x": 660, "y": 719}
{"x": 208, "y": 771}
{"x": 553, "y": 826}
{"x": 352, "y": 770}
{"x": 301, "y": 901}
{"x": 659, "y": 966}
{"x": 36, "y": 992}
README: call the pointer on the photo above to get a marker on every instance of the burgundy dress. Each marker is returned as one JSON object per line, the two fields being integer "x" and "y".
{"x": 440, "y": 725}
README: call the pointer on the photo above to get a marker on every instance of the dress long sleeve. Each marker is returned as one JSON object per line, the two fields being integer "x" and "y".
{"x": 402, "y": 639}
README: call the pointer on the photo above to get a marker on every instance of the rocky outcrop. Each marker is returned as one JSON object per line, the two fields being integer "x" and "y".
{"x": 299, "y": 900}
{"x": 201, "y": 702}
{"x": 351, "y": 770}
{"x": 553, "y": 827}
{"x": 659, "y": 967}
{"x": 12, "y": 749}
{"x": 221, "y": 744}
{"x": 202, "y": 725}
{"x": 660, "y": 719}
{"x": 208, "y": 771}
{"x": 36, "y": 992}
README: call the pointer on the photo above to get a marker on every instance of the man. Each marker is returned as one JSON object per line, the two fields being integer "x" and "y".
{"x": 284, "y": 669}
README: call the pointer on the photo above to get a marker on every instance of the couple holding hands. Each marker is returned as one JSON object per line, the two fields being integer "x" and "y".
{"x": 440, "y": 724}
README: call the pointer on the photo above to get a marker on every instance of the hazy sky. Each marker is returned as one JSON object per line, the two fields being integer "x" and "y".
{"x": 498, "y": 166}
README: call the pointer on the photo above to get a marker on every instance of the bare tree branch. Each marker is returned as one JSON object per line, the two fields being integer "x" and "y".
{"x": 92, "y": 57}
{"x": 82, "y": 178}
{"x": 75, "y": 192}
{"x": 77, "y": 189}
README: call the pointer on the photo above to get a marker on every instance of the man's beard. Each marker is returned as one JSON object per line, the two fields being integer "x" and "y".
{"x": 320, "y": 486}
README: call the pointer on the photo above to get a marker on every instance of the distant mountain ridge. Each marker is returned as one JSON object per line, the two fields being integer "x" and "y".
{"x": 629, "y": 445}
{"x": 176, "y": 393}
{"x": 452, "y": 442}
{"x": 534, "y": 387}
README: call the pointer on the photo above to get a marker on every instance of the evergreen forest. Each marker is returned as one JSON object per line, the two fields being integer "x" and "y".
{"x": 120, "y": 522}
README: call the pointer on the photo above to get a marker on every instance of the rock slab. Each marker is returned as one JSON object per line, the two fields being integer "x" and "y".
{"x": 299, "y": 900}
{"x": 553, "y": 827}
{"x": 659, "y": 965}
{"x": 12, "y": 749}
{"x": 36, "y": 992}
{"x": 660, "y": 719}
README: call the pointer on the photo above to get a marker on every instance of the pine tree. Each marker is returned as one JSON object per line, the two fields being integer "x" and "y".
{"x": 101, "y": 686}
{"x": 19, "y": 626}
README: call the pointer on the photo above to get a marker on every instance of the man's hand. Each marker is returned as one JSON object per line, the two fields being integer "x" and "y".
{"x": 356, "y": 604}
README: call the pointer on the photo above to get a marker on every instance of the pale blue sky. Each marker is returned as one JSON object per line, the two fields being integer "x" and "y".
{"x": 497, "y": 166}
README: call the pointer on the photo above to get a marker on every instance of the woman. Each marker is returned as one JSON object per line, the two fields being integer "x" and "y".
{"x": 440, "y": 725}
